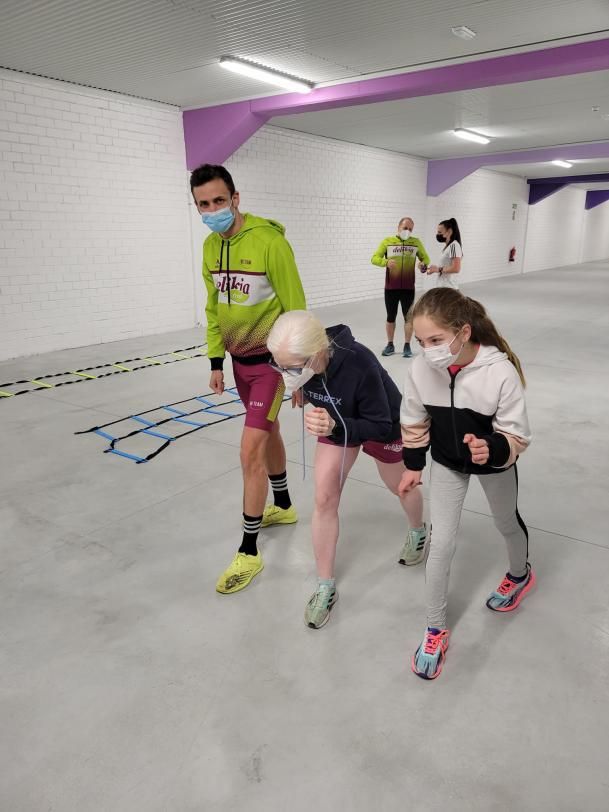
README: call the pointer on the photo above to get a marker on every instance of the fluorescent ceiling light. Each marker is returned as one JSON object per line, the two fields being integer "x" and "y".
{"x": 274, "y": 77}
{"x": 564, "y": 164}
{"x": 463, "y": 31}
{"x": 469, "y": 135}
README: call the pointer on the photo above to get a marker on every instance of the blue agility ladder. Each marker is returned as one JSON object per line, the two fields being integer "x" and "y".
{"x": 181, "y": 416}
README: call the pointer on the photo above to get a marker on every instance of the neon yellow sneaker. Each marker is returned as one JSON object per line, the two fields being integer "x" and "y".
{"x": 240, "y": 573}
{"x": 276, "y": 515}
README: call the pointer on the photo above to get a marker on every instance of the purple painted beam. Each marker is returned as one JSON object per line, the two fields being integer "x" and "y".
{"x": 540, "y": 191}
{"x": 214, "y": 133}
{"x": 563, "y": 60}
{"x": 602, "y": 177}
{"x": 595, "y": 197}
{"x": 442, "y": 174}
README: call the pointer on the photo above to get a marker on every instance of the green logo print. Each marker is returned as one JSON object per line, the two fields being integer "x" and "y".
{"x": 239, "y": 296}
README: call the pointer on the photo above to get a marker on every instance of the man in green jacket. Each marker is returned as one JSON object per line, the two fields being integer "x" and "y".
{"x": 251, "y": 278}
{"x": 398, "y": 255}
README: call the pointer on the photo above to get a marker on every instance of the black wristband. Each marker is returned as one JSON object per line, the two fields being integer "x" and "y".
{"x": 217, "y": 364}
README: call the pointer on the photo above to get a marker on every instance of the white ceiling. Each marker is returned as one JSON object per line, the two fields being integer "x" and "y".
{"x": 591, "y": 186}
{"x": 548, "y": 170}
{"x": 519, "y": 116}
{"x": 168, "y": 49}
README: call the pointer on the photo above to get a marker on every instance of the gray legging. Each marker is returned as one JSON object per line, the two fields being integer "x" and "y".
{"x": 447, "y": 493}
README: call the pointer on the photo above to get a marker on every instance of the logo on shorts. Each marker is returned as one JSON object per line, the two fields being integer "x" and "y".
{"x": 256, "y": 404}
{"x": 393, "y": 447}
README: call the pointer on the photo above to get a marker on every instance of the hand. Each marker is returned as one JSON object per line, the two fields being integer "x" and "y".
{"x": 216, "y": 382}
{"x": 432, "y": 269}
{"x": 297, "y": 399}
{"x": 409, "y": 481}
{"x": 422, "y": 267}
{"x": 319, "y": 422}
{"x": 392, "y": 265}
{"x": 477, "y": 448}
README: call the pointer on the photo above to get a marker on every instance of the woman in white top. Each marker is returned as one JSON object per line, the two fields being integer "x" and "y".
{"x": 450, "y": 259}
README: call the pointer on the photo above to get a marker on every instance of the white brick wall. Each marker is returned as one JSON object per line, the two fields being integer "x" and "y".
{"x": 337, "y": 201}
{"x": 595, "y": 241}
{"x": 94, "y": 228}
{"x": 554, "y": 234}
{"x": 483, "y": 206}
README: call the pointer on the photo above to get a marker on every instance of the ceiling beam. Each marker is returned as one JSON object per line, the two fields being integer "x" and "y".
{"x": 540, "y": 191}
{"x": 600, "y": 177}
{"x": 595, "y": 197}
{"x": 442, "y": 174}
{"x": 212, "y": 134}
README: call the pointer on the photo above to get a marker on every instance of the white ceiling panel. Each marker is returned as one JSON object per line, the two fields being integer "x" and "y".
{"x": 520, "y": 116}
{"x": 548, "y": 170}
{"x": 168, "y": 49}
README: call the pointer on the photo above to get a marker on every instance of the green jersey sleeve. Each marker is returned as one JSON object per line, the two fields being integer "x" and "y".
{"x": 380, "y": 255}
{"x": 215, "y": 342}
{"x": 283, "y": 275}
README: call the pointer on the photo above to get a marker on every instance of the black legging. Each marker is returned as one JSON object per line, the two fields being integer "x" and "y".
{"x": 393, "y": 298}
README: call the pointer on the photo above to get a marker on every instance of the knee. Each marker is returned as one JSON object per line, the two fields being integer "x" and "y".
{"x": 253, "y": 459}
{"x": 441, "y": 549}
{"x": 327, "y": 501}
{"x": 507, "y": 525}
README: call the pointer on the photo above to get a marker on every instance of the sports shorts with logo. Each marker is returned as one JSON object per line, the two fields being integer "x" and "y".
{"x": 261, "y": 390}
{"x": 390, "y": 451}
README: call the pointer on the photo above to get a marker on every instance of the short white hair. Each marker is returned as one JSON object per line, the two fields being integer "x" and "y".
{"x": 298, "y": 334}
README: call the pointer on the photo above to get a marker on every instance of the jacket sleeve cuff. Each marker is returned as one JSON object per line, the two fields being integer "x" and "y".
{"x": 338, "y": 434}
{"x": 414, "y": 458}
{"x": 499, "y": 449}
{"x": 217, "y": 364}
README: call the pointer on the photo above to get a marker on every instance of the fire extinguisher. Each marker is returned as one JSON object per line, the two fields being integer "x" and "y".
{"x": 512, "y": 256}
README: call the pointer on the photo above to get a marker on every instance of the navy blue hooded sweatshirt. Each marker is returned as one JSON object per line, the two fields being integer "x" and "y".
{"x": 359, "y": 388}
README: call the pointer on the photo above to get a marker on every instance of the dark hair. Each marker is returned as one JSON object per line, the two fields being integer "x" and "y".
{"x": 203, "y": 174}
{"x": 454, "y": 226}
{"x": 450, "y": 308}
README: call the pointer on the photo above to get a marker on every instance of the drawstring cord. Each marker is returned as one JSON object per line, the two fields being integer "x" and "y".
{"x": 304, "y": 460}
{"x": 340, "y": 417}
{"x": 227, "y": 265}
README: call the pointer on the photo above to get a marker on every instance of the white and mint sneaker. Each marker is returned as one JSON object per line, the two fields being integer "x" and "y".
{"x": 320, "y": 604}
{"x": 413, "y": 551}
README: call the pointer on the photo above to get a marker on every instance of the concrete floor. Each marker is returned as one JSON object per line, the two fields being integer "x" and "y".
{"x": 127, "y": 683}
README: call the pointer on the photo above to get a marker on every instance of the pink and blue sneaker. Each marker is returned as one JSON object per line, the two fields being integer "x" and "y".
{"x": 511, "y": 591}
{"x": 429, "y": 658}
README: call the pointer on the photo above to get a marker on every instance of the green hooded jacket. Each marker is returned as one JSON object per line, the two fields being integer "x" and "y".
{"x": 251, "y": 279}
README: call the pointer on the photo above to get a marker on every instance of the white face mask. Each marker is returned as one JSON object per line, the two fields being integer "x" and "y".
{"x": 440, "y": 356}
{"x": 405, "y": 234}
{"x": 293, "y": 380}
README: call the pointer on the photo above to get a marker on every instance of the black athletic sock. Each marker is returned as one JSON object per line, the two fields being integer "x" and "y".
{"x": 281, "y": 496}
{"x": 251, "y": 528}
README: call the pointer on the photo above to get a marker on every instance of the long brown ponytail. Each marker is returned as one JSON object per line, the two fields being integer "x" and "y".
{"x": 451, "y": 309}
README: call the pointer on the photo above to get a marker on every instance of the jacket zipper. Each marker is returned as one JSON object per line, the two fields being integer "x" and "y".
{"x": 452, "y": 414}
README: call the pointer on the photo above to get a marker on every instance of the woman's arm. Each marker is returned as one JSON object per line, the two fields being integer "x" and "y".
{"x": 373, "y": 421}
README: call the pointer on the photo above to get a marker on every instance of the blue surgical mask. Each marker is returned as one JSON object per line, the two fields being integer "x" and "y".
{"x": 219, "y": 221}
